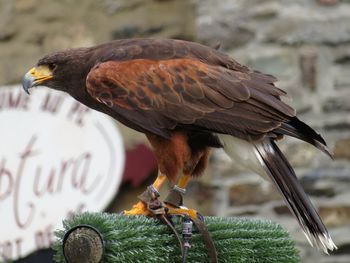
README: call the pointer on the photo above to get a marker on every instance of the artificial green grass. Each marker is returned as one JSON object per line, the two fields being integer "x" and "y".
{"x": 140, "y": 239}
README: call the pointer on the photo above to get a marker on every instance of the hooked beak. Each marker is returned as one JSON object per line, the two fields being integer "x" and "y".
{"x": 36, "y": 76}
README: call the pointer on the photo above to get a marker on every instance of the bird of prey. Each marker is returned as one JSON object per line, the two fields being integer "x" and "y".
{"x": 188, "y": 98}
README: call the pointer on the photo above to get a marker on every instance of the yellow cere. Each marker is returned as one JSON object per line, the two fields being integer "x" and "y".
{"x": 41, "y": 73}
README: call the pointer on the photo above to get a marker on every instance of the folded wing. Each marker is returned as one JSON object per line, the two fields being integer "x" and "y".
{"x": 161, "y": 95}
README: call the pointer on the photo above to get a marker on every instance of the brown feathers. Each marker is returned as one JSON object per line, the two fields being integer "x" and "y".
{"x": 162, "y": 85}
{"x": 189, "y": 92}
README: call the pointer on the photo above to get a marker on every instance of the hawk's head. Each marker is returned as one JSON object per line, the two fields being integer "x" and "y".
{"x": 63, "y": 70}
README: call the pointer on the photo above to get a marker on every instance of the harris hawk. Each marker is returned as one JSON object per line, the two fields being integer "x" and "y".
{"x": 188, "y": 98}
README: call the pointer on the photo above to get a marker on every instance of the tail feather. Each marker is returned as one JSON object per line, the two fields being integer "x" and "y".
{"x": 282, "y": 175}
{"x": 298, "y": 129}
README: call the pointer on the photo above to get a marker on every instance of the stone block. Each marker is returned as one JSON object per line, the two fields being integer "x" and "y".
{"x": 341, "y": 76}
{"x": 327, "y": 182}
{"x": 265, "y": 10}
{"x": 342, "y": 126}
{"x": 327, "y": 2}
{"x": 282, "y": 209}
{"x": 299, "y": 153}
{"x": 342, "y": 149}
{"x": 271, "y": 59}
{"x": 309, "y": 25}
{"x": 227, "y": 22}
{"x": 335, "y": 215}
{"x": 200, "y": 196}
{"x": 229, "y": 34}
{"x": 246, "y": 193}
{"x": 308, "y": 66}
{"x": 24, "y": 6}
{"x": 77, "y": 35}
{"x": 337, "y": 104}
{"x": 113, "y": 7}
{"x": 7, "y": 28}
{"x": 170, "y": 19}
{"x": 7, "y": 33}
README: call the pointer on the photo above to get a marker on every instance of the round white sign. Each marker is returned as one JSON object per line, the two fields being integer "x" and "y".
{"x": 57, "y": 157}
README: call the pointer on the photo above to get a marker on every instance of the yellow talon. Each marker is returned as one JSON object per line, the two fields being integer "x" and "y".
{"x": 181, "y": 211}
{"x": 138, "y": 209}
{"x": 141, "y": 209}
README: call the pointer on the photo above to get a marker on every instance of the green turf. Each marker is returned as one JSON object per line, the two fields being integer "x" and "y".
{"x": 141, "y": 239}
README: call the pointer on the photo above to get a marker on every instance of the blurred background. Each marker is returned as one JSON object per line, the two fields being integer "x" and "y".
{"x": 305, "y": 44}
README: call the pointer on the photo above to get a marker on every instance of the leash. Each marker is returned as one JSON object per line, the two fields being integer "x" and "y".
{"x": 186, "y": 235}
{"x": 157, "y": 208}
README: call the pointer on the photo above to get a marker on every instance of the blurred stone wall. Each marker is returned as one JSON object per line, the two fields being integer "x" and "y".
{"x": 306, "y": 44}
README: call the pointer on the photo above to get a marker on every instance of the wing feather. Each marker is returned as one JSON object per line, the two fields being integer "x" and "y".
{"x": 160, "y": 95}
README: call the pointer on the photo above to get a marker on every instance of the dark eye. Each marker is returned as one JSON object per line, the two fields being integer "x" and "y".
{"x": 52, "y": 66}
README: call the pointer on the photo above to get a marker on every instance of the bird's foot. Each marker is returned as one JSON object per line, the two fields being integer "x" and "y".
{"x": 138, "y": 209}
{"x": 173, "y": 207}
{"x": 183, "y": 212}
{"x": 173, "y": 204}
{"x": 149, "y": 204}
